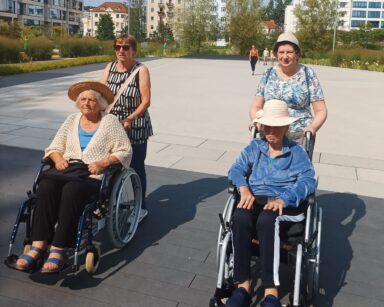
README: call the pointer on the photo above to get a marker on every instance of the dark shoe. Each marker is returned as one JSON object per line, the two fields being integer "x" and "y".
{"x": 240, "y": 298}
{"x": 33, "y": 263}
{"x": 270, "y": 301}
{"x": 60, "y": 262}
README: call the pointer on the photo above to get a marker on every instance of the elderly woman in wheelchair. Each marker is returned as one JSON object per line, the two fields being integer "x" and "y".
{"x": 98, "y": 140}
{"x": 273, "y": 176}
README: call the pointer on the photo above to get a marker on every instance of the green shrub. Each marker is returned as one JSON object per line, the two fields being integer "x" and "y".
{"x": 10, "y": 69}
{"x": 349, "y": 57}
{"x": 73, "y": 47}
{"x": 9, "y": 50}
{"x": 40, "y": 48}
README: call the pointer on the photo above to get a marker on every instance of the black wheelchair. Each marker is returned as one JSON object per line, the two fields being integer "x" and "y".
{"x": 300, "y": 249}
{"x": 116, "y": 208}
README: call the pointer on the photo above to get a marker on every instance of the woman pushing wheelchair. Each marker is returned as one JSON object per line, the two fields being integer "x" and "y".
{"x": 97, "y": 139}
{"x": 273, "y": 176}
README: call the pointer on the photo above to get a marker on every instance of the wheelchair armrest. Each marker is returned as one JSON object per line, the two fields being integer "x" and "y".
{"x": 47, "y": 161}
{"x": 309, "y": 143}
{"x": 232, "y": 188}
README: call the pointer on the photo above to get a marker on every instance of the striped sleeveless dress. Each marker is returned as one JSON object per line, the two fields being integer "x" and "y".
{"x": 129, "y": 100}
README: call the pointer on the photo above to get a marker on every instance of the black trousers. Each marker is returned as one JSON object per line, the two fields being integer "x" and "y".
{"x": 139, "y": 153}
{"x": 264, "y": 225}
{"x": 62, "y": 203}
{"x": 253, "y": 62}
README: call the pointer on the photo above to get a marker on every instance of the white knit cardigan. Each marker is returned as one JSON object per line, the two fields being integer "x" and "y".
{"x": 109, "y": 139}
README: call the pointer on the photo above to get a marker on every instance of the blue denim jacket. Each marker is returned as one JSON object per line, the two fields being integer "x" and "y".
{"x": 290, "y": 176}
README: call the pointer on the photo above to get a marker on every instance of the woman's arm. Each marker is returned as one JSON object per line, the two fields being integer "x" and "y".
{"x": 257, "y": 104}
{"x": 58, "y": 160}
{"x": 104, "y": 77}
{"x": 320, "y": 116}
{"x": 145, "y": 92}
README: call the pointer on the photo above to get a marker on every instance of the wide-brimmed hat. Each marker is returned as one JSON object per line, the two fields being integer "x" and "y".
{"x": 274, "y": 114}
{"x": 76, "y": 89}
{"x": 287, "y": 37}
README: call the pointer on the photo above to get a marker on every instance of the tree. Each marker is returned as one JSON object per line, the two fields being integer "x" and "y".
{"x": 245, "y": 24}
{"x": 275, "y": 10}
{"x": 196, "y": 24}
{"x": 136, "y": 19}
{"x": 315, "y": 20}
{"x": 105, "y": 28}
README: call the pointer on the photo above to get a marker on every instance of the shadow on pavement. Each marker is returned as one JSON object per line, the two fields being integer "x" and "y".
{"x": 341, "y": 214}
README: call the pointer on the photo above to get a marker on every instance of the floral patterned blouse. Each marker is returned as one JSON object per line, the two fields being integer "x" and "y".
{"x": 298, "y": 92}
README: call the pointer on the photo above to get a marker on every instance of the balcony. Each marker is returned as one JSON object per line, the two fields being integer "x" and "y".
{"x": 161, "y": 14}
{"x": 170, "y": 14}
{"x": 161, "y": 6}
{"x": 170, "y": 5}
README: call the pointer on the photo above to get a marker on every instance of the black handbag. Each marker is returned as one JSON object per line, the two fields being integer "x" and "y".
{"x": 76, "y": 171}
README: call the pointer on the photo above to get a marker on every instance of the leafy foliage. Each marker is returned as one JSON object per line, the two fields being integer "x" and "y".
{"x": 275, "y": 10}
{"x": 315, "y": 22}
{"x": 40, "y": 48}
{"x": 105, "y": 28}
{"x": 196, "y": 24}
{"x": 9, "y": 50}
{"x": 136, "y": 21}
{"x": 245, "y": 24}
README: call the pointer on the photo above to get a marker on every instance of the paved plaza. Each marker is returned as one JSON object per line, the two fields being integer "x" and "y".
{"x": 200, "y": 117}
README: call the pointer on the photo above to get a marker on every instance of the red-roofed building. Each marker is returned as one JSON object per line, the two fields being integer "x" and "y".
{"x": 270, "y": 26}
{"x": 117, "y": 10}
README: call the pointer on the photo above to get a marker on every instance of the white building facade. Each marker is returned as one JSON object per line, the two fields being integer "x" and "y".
{"x": 117, "y": 10}
{"x": 351, "y": 14}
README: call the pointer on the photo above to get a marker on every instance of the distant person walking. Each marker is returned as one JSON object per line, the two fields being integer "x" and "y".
{"x": 265, "y": 56}
{"x": 272, "y": 57}
{"x": 253, "y": 57}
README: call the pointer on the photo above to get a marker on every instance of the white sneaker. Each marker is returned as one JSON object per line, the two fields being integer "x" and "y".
{"x": 143, "y": 214}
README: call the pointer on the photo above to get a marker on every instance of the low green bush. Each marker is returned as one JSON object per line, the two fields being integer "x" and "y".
{"x": 40, "y": 48}
{"x": 9, "y": 50}
{"x": 73, "y": 47}
{"x": 10, "y": 69}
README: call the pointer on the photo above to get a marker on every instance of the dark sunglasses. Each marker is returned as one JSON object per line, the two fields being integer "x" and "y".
{"x": 125, "y": 47}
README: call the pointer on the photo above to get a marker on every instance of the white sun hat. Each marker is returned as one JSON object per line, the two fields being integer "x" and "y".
{"x": 286, "y": 37}
{"x": 274, "y": 114}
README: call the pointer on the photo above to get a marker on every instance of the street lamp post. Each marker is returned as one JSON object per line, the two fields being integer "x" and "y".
{"x": 335, "y": 26}
{"x": 129, "y": 16}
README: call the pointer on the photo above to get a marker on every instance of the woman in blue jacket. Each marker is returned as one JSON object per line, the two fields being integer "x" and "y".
{"x": 273, "y": 175}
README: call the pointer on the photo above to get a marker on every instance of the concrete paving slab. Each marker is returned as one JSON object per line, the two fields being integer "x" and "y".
{"x": 154, "y": 147}
{"x": 330, "y": 183}
{"x": 216, "y": 144}
{"x": 370, "y": 175}
{"x": 197, "y": 153}
{"x": 177, "y": 139}
{"x": 4, "y": 138}
{"x": 229, "y": 157}
{"x": 7, "y": 128}
{"x": 335, "y": 171}
{"x": 35, "y": 132}
{"x": 200, "y": 165}
{"x": 335, "y": 159}
{"x": 161, "y": 159}
{"x": 27, "y": 142}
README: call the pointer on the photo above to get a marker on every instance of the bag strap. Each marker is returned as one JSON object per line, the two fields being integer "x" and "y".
{"x": 307, "y": 81}
{"x": 122, "y": 88}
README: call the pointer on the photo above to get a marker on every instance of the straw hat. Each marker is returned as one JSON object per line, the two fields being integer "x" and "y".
{"x": 76, "y": 89}
{"x": 286, "y": 37}
{"x": 274, "y": 114}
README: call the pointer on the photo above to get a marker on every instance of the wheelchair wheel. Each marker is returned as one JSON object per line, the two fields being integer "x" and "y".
{"x": 92, "y": 259}
{"x": 124, "y": 208}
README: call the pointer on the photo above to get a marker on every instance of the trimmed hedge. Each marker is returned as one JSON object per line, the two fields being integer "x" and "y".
{"x": 11, "y": 69}
{"x": 9, "y": 50}
{"x": 73, "y": 47}
{"x": 40, "y": 48}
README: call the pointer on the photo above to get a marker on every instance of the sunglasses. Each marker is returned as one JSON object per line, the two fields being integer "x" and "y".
{"x": 125, "y": 47}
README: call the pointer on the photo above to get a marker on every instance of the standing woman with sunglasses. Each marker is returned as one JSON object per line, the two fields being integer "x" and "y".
{"x": 131, "y": 108}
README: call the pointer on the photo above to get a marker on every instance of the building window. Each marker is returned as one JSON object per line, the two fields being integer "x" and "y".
{"x": 359, "y": 14}
{"x": 223, "y": 9}
{"x": 373, "y": 14}
{"x": 117, "y": 15}
{"x": 359, "y": 4}
{"x": 96, "y": 15}
{"x": 56, "y": 2}
{"x": 117, "y": 24}
{"x": 96, "y": 23}
{"x": 152, "y": 9}
{"x": 151, "y": 27}
{"x": 222, "y": 19}
{"x": 357, "y": 23}
{"x": 374, "y": 24}
{"x": 152, "y": 18}
{"x": 374, "y": 5}
{"x": 343, "y": 4}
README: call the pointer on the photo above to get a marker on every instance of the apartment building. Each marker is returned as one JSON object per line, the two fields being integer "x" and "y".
{"x": 351, "y": 14}
{"x": 117, "y": 10}
{"x": 64, "y": 13}
{"x": 164, "y": 10}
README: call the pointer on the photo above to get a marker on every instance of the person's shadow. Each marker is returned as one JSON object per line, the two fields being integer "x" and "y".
{"x": 169, "y": 206}
{"x": 341, "y": 212}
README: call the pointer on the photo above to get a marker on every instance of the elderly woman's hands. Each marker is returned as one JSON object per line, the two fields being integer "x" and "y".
{"x": 246, "y": 198}
{"x": 61, "y": 165}
{"x": 96, "y": 168}
{"x": 276, "y": 205}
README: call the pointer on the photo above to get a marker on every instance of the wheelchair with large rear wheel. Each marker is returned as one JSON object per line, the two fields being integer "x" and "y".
{"x": 116, "y": 208}
{"x": 300, "y": 248}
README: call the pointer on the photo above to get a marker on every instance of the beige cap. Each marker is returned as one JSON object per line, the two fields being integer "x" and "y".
{"x": 288, "y": 37}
